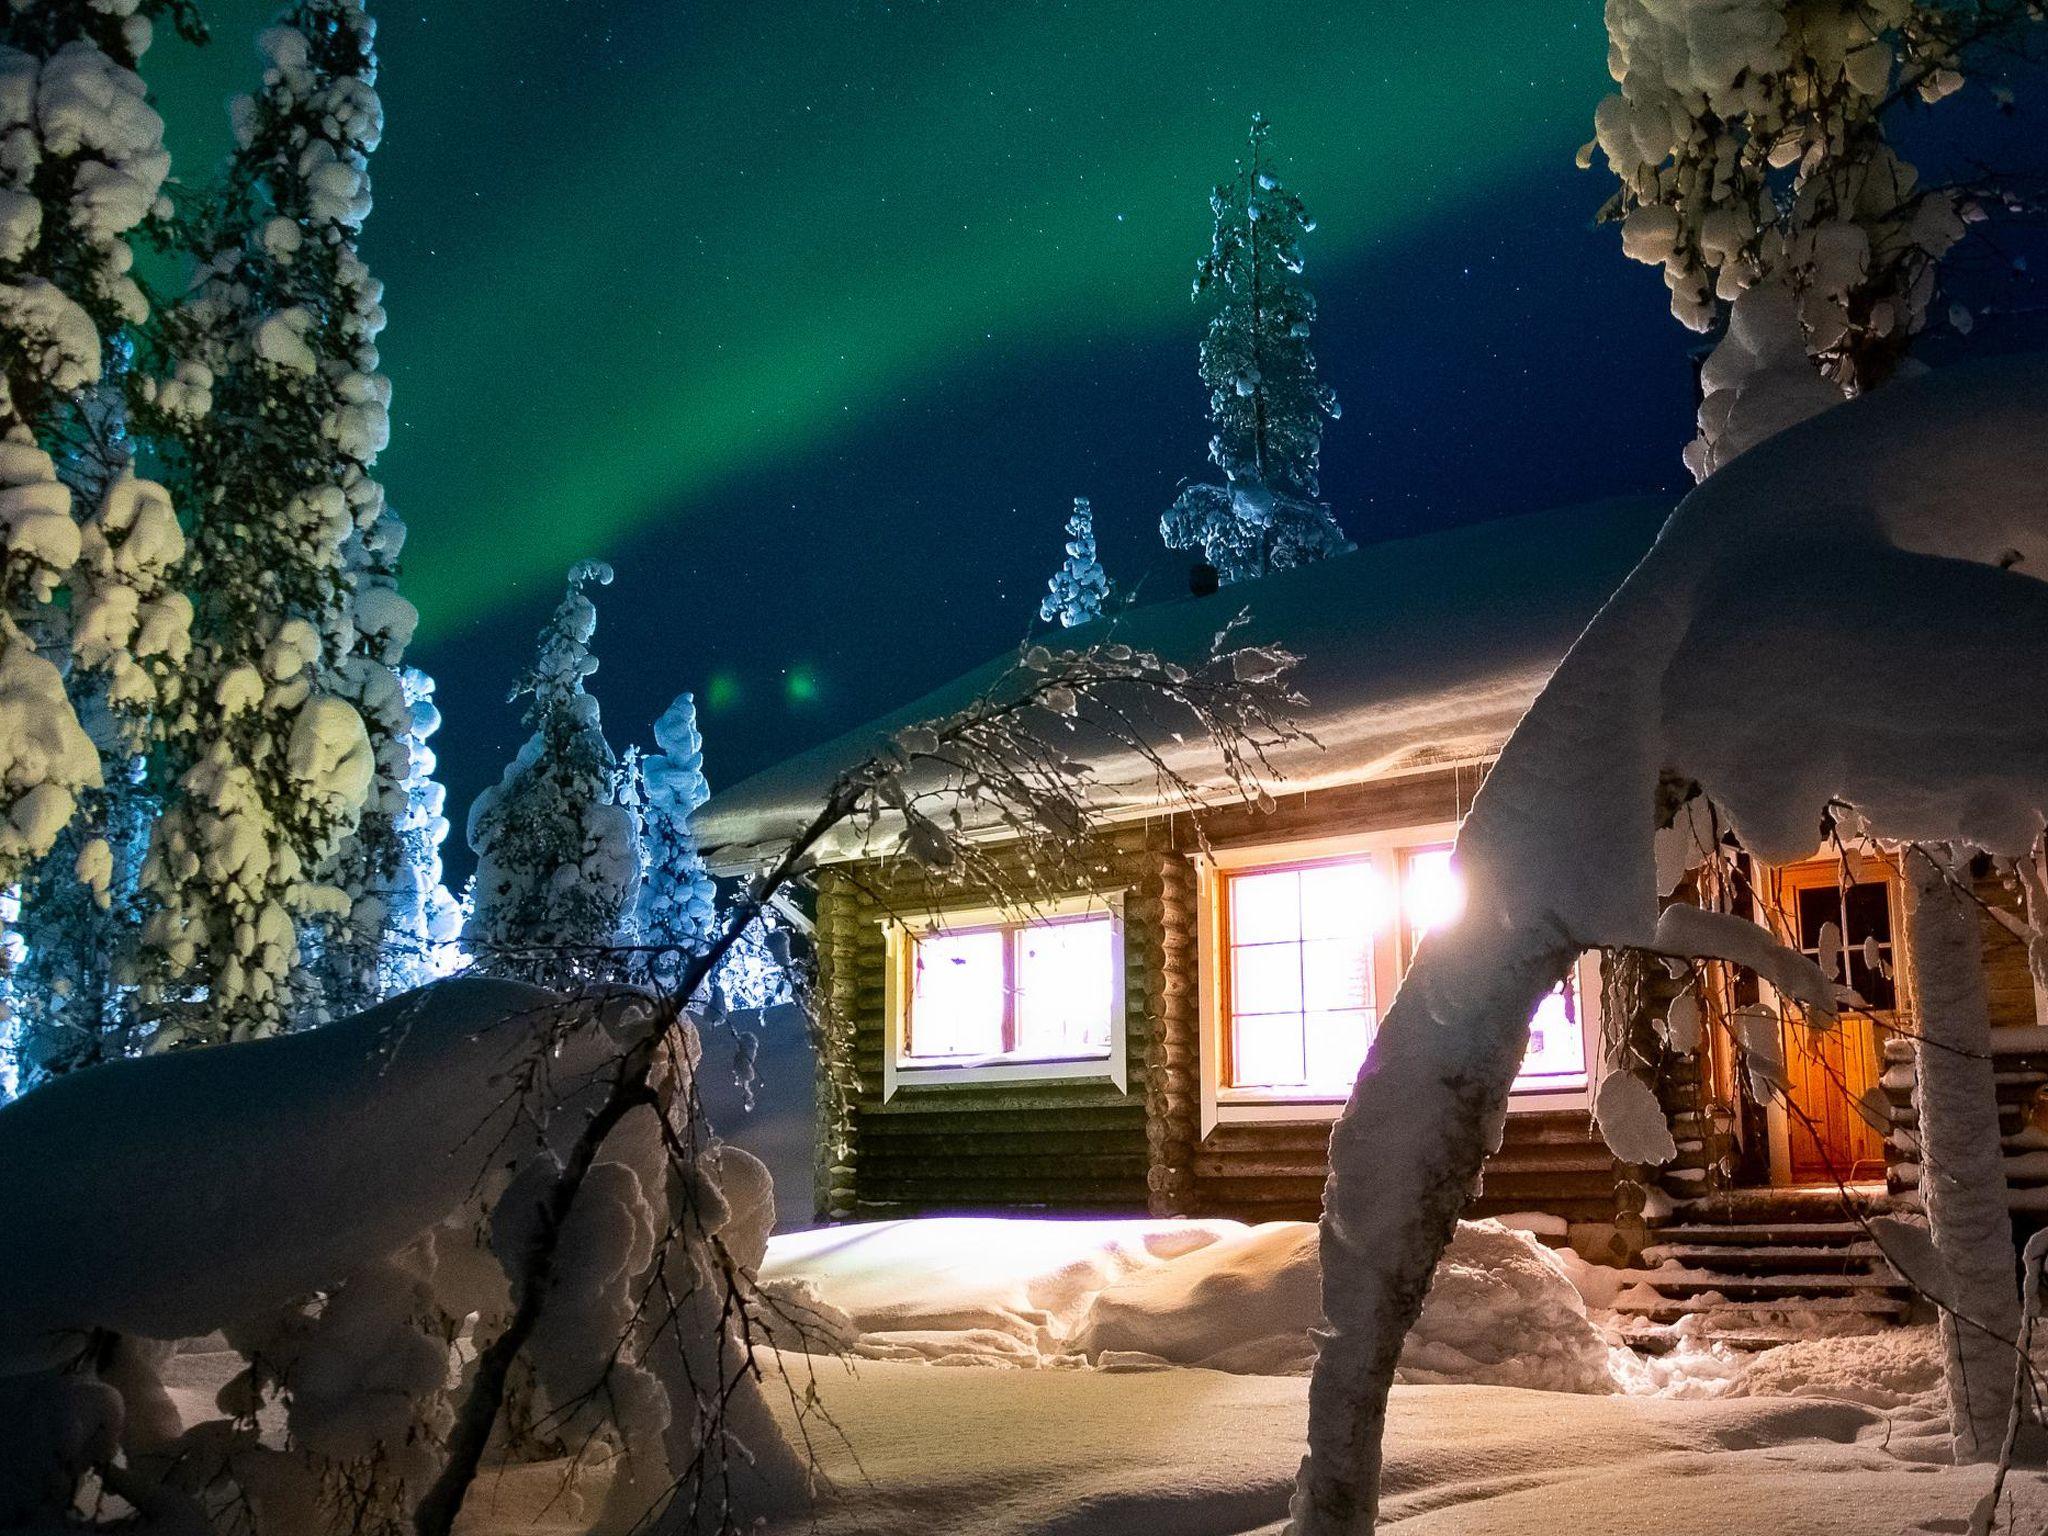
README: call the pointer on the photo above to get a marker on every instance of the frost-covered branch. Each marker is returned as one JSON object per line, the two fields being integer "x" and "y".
{"x": 992, "y": 757}
{"x": 1699, "y": 670}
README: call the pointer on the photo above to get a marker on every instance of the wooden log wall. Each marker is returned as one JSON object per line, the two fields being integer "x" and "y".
{"x": 1076, "y": 1146}
{"x": 1085, "y": 1147}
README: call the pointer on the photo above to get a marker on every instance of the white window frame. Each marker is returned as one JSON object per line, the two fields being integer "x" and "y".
{"x": 899, "y": 942}
{"x": 1225, "y": 1105}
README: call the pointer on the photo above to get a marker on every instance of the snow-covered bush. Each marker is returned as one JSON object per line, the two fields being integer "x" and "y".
{"x": 1079, "y": 588}
{"x": 1265, "y": 400}
{"x": 1917, "y": 501}
{"x": 558, "y": 857}
{"x": 425, "y": 1132}
{"x": 1751, "y": 140}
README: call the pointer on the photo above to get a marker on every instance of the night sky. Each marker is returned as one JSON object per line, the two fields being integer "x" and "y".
{"x": 814, "y": 317}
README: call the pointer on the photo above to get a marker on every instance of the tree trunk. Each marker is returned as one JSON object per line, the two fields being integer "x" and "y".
{"x": 1405, "y": 1157}
{"x": 1962, "y": 1163}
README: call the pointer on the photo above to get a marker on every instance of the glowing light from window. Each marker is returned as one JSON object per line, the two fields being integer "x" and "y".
{"x": 1064, "y": 988}
{"x": 956, "y": 1006}
{"x": 1301, "y": 973}
{"x": 1021, "y": 992}
{"x": 1432, "y": 891}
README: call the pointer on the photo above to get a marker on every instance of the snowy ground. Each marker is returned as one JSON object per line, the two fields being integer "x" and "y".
{"x": 1028, "y": 1378}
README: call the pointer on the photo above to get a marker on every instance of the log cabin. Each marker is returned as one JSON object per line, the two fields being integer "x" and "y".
{"x": 1177, "y": 1038}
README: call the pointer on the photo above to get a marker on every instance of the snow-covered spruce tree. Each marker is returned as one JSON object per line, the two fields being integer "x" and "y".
{"x": 678, "y": 899}
{"x": 274, "y": 760}
{"x": 1752, "y": 142}
{"x": 558, "y": 858}
{"x": 1079, "y": 588}
{"x": 82, "y": 165}
{"x": 423, "y": 920}
{"x": 1698, "y": 671}
{"x": 1264, "y": 398}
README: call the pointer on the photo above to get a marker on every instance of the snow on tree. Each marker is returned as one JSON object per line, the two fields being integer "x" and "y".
{"x": 289, "y": 694}
{"x": 1962, "y": 1159}
{"x": 678, "y": 898}
{"x": 1931, "y": 721}
{"x": 1265, "y": 401}
{"x": 423, "y": 920}
{"x": 558, "y": 860}
{"x": 82, "y": 165}
{"x": 1079, "y": 588}
{"x": 1752, "y": 145}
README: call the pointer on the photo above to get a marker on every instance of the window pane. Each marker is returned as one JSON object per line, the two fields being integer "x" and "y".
{"x": 1343, "y": 900}
{"x": 1336, "y": 973}
{"x": 1557, "y": 1042}
{"x": 1817, "y": 905}
{"x": 1337, "y": 1043}
{"x": 1265, "y": 908}
{"x": 1064, "y": 988}
{"x": 1265, "y": 978}
{"x": 1267, "y": 1052}
{"x": 1432, "y": 891}
{"x": 1869, "y": 910}
{"x": 956, "y": 1000}
{"x": 1863, "y": 911}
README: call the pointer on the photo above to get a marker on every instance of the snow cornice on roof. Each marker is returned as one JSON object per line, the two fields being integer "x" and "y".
{"x": 1415, "y": 652}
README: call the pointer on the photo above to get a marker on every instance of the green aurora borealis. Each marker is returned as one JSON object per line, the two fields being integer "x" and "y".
{"x": 635, "y": 250}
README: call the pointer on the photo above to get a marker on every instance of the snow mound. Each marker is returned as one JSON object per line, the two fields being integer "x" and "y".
{"x": 989, "y": 1287}
{"x": 1502, "y": 1311}
{"x": 1895, "y": 1368}
{"x": 1244, "y": 1303}
{"x": 1217, "y": 1294}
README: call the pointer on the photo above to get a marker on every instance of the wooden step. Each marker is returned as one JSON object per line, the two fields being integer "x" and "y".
{"x": 1693, "y": 1282}
{"x": 1774, "y": 1206}
{"x": 1750, "y": 1339}
{"x": 1802, "y": 1234}
{"x": 1763, "y": 1256}
{"x": 1668, "y": 1309}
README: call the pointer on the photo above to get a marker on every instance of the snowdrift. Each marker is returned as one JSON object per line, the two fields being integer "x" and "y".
{"x": 1218, "y": 1294}
{"x": 338, "y": 1206}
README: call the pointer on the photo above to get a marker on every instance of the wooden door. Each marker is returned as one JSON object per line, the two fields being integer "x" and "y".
{"x": 1844, "y": 920}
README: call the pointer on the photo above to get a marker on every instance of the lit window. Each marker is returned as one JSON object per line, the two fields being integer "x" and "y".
{"x": 1432, "y": 891}
{"x": 1311, "y": 951}
{"x": 1432, "y": 895}
{"x": 1302, "y": 1012}
{"x": 1036, "y": 991}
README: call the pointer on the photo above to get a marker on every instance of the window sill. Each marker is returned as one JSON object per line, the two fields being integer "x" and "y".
{"x": 1250, "y": 1106}
{"x": 998, "y": 1069}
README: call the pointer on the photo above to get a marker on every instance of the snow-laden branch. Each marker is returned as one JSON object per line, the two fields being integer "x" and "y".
{"x": 1830, "y": 618}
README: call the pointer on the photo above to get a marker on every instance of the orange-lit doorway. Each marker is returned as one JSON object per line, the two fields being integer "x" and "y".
{"x": 1845, "y": 917}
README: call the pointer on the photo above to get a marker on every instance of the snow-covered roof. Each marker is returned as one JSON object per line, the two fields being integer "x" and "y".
{"x": 1414, "y": 652}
